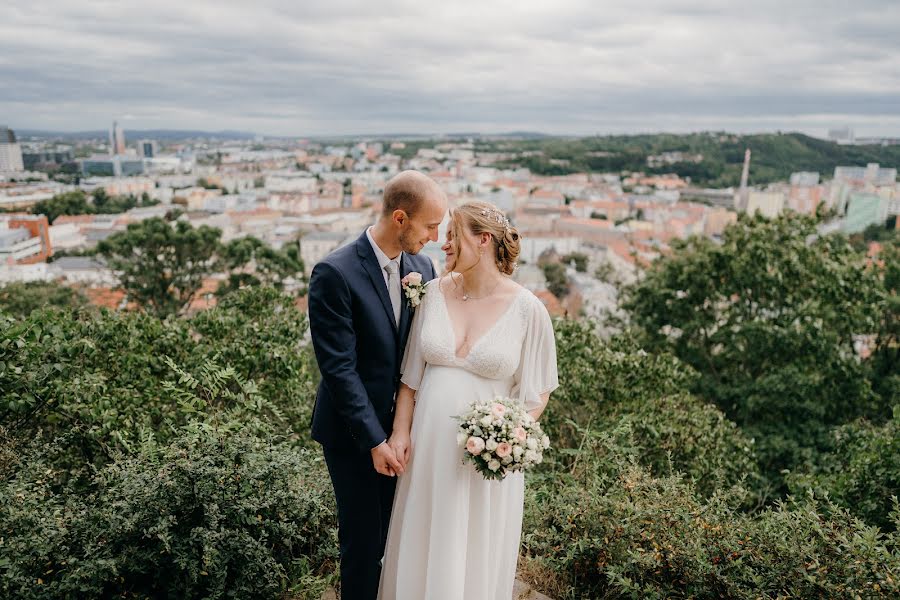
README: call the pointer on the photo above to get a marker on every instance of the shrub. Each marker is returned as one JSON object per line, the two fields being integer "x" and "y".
{"x": 861, "y": 473}
{"x": 609, "y": 528}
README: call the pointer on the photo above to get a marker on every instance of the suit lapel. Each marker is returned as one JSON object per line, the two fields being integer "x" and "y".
{"x": 370, "y": 264}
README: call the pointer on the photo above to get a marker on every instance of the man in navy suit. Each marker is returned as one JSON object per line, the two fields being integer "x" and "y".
{"x": 360, "y": 319}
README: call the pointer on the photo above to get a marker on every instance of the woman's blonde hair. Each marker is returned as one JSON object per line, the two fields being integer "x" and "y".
{"x": 483, "y": 217}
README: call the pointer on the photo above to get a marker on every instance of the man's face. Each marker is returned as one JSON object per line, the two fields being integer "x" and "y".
{"x": 422, "y": 227}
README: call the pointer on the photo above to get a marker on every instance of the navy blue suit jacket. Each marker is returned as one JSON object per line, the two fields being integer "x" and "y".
{"x": 358, "y": 345}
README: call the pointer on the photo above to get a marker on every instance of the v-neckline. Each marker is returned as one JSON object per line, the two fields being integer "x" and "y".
{"x": 487, "y": 331}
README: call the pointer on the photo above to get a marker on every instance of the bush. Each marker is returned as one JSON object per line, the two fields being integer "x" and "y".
{"x": 104, "y": 375}
{"x": 861, "y": 473}
{"x": 600, "y": 379}
{"x": 213, "y": 514}
{"x": 679, "y": 434}
{"x": 608, "y": 528}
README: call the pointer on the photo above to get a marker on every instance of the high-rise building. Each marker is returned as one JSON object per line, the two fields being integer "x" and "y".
{"x": 10, "y": 151}
{"x": 148, "y": 148}
{"x": 116, "y": 139}
{"x": 864, "y": 210}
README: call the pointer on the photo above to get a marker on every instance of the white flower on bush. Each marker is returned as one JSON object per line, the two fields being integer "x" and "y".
{"x": 461, "y": 438}
{"x": 491, "y": 444}
{"x": 531, "y": 443}
{"x": 517, "y": 452}
{"x": 494, "y": 465}
{"x": 487, "y": 420}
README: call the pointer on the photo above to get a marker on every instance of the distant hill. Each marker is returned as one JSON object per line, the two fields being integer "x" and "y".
{"x": 133, "y": 134}
{"x": 774, "y": 156}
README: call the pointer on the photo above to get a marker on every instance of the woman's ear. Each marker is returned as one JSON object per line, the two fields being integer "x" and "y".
{"x": 486, "y": 238}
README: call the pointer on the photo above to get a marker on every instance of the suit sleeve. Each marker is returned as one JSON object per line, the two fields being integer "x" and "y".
{"x": 334, "y": 342}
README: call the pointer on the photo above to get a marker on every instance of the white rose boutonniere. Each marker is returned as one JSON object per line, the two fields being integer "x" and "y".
{"x": 413, "y": 288}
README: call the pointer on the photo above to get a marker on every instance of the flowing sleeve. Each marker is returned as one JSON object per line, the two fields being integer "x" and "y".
{"x": 413, "y": 366}
{"x": 537, "y": 373}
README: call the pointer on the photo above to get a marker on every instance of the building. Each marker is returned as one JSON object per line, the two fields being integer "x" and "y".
{"x": 116, "y": 140}
{"x": 24, "y": 239}
{"x": 112, "y": 166}
{"x": 805, "y": 178}
{"x": 317, "y": 245}
{"x": 864, "y": 210}
{"x": 58, "y": 156}
{"x": 769, "y": 204}
{"x": 872, "y": 173}
{"x": 148, "y": 149}
{"x": 10, "y": 152}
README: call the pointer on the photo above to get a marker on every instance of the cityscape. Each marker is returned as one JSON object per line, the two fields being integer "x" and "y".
{"x": 321, "y": 194}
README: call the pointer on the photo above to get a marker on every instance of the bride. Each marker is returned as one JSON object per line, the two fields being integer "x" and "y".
{"x": 476, "y": 335}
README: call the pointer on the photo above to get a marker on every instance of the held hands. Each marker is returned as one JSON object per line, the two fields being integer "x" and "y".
{"x": 400, "y": 444}
{"x": 385, "y": 460}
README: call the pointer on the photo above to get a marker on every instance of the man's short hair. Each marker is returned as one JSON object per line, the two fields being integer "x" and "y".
{"x": 406, "y": 191}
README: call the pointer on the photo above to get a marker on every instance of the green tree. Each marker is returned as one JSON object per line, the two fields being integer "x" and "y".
{"x": 252, "y": 262}
{"x": 160, "y": 266}
{"x": 579, "y": 258}
{"x": 557, "y": 280}
{"x": 19, "y": 299}
{"x": 67, "y": 203}
{"x": 768, "y": 318}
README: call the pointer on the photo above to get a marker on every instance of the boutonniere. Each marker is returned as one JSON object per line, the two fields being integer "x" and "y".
{"x": 413, "y": 288}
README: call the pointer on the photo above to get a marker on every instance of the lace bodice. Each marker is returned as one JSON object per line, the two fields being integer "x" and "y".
{"x": 519, "y": 345}
{"x": 495, "y": 354}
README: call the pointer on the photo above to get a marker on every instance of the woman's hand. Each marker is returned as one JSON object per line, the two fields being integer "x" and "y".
{"x": 400, "y": 444}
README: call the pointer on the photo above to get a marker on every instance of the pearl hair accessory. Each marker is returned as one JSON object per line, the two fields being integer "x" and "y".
{"x": 496, "y": 215}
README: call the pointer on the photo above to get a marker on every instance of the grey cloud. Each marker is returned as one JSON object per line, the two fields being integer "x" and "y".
{"x": 341, "y": 67}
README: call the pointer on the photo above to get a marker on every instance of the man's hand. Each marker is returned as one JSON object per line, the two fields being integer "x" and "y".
{"x": 385, "y": 460}
{"x": 400, "y": 444}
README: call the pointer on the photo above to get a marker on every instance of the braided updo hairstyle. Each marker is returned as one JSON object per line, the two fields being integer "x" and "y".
{"x": 483, "y": 217}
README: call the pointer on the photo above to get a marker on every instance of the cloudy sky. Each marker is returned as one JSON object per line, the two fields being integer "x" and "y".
{"x": 379, "y": 66}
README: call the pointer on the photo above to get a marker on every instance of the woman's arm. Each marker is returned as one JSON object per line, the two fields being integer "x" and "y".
{"x": 403, "y": 416}
{"x": 537, "y": 412}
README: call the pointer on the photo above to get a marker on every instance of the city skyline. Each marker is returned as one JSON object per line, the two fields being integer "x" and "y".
{"x": 391, "y": 67}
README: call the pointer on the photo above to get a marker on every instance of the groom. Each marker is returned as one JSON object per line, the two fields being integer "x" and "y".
{"x": 359, "y": 320}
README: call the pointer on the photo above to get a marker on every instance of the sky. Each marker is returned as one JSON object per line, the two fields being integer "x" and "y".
{"x": 336, "y": 67}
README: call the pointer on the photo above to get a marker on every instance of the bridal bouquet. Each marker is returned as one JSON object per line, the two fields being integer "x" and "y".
{"x": 500, "y": 436}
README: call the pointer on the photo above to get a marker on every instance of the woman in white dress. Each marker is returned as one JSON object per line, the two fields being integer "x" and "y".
{"x": 476, "y": 335}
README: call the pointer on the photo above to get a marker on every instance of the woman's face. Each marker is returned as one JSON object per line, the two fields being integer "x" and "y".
{"x": 461, "y": 248}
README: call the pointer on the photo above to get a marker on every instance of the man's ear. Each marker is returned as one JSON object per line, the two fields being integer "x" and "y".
{"x": 399, "y": 217}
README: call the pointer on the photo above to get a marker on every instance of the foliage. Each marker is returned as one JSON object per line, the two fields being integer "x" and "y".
{"x": 252, "y": 262}
{"x": 774, "y": 156}
{"x": 215, "y": 513}
{"x": 76, "y": 203}
{"x": 579, "y": 258}
{"x": 862, "y": 471}
{"x": 67, "y": 203}
{"x": 610, "y": 529}
{"x": 19, "y": 299}
{"x": 768, "y": 319}
{"x": 162, "y": 267}
{"x": 608, "y": 385}
{"x": 103, "y": 377}
{"x": 557, "y": 279}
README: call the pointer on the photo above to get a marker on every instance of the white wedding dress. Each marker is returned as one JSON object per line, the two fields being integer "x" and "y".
{"x": 454, "y": 535}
